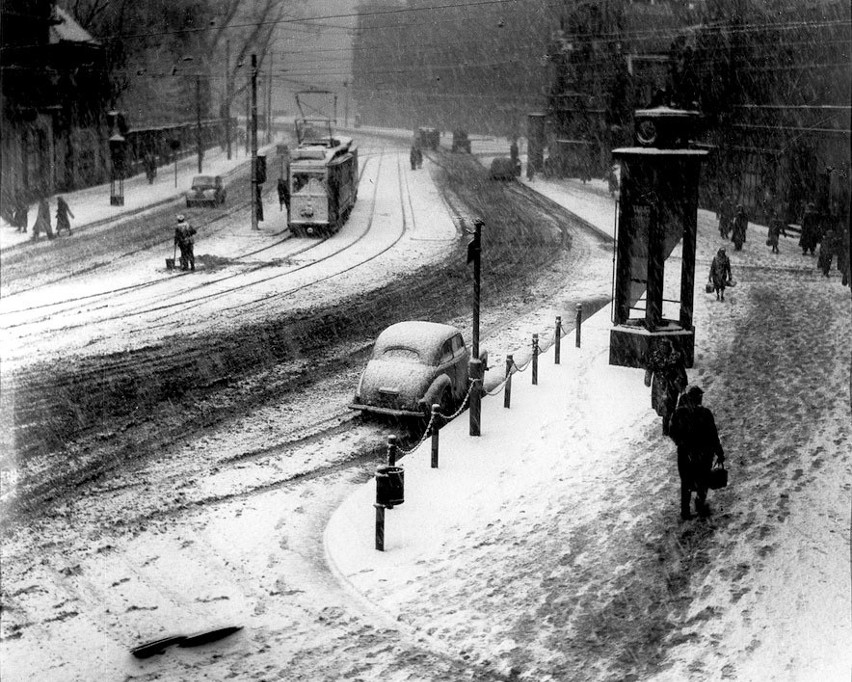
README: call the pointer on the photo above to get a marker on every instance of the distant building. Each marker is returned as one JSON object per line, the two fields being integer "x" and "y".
{"x": 55, "y": 92}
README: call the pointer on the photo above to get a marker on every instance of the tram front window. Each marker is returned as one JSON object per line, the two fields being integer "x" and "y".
{"x": 308, "y": 183}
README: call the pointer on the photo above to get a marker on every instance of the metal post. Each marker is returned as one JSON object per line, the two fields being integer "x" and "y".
{"x": 226, "y": 110}
{"x": 474, "y": 253}
{"x": 346, "y": 105}
{"x": 435, "y": 430}
{"x": 380, "y": 527}
{"x": 269, "y": 102}
{"x": 198, "y": 119}
{"x": 557, "y": 340}
{"x": 579, "y": 323}
{"x": 391, "y": 450}
{"x": 507, "y": 391}
{"x": 475, "y": 397}
{"x": 535, "y": 360}
{"x": 254, "y": 225}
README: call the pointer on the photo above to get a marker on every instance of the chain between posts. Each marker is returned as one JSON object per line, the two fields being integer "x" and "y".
{"x": 428, "y": 431}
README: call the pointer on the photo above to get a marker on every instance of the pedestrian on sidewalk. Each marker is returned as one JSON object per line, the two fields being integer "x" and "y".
{"x": 693, "y": 429}
{"x": 666, "y": 375}
{"x": 185, "y": 242}
{"x": 42, "y": 223}
{"x": 810, "y": 230}
{"x": 776, "y": 228}
{"x": 283, "y": 195}
{"x": 62, "y": 213}
{"x": 740, "y": 227}
{"x": 720, "y": 273}
{"x": 22, "y": 214}
{"x": 826, "y": 251}
{"x": 725, "y": 216}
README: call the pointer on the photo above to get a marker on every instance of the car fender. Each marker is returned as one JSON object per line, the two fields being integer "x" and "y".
{"x": 434, "y": 391}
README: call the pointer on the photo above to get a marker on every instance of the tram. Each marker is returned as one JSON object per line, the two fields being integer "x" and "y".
{"x": 323, "y": 179}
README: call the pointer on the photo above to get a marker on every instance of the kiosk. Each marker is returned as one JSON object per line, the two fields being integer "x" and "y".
{"x": 657, "y": 211}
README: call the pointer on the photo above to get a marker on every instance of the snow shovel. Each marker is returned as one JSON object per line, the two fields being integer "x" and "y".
{"x": 170, "y": 262}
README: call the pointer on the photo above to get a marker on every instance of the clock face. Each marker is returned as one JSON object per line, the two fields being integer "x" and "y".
{"x": 646, "y": 132}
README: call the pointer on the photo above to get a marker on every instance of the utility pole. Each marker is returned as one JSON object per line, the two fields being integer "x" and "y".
{"x": 269, "y": 102}
{"x": 253, "y": 136}
{"x": 198, "y": 119}
{"x": 476, "y": 373}
{"x": 346, "y": 105}
{"x": 248, "y": 121}
{"x": 226, "y": 110}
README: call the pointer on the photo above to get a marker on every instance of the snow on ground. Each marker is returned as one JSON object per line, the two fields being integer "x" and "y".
{"x": 543, "y": 538}
{"x": 554, "y": 538}
{"x": 241, "y": 274}
{"x": 92, "y": 204}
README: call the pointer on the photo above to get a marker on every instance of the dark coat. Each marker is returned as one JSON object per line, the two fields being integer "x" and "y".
{"x": 184, "y": 235}
{"x": 693, "y": 430}
{"x": 740, "y": 227}
{"x": 810, "y": 231}
{"x": 669, "y": 379}
{"x": 720, "y": 271}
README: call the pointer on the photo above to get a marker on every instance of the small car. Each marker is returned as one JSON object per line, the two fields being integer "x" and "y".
{"x": 206, "y": 190}
{"x": 414, "y": 365}
{"x": 504, "y": 168}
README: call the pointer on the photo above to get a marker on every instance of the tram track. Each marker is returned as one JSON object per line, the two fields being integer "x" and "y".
{"x": 133, "y": 391}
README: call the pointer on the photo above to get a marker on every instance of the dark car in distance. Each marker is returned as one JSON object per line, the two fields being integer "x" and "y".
{"x": 206, "y": 190}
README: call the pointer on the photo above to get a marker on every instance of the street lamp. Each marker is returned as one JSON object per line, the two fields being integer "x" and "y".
{"x": 117, "y": 143}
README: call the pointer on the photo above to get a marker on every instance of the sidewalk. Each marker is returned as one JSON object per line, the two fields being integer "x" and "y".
{"x": 553, "y": 539}
{"x": 91, "y": 206}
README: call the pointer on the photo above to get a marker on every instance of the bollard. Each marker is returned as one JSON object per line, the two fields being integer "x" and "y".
{"x": 391, "y": 450}
{"x": 557, "y": 340}
{"x": 475, "y": 373}
{"x": 380, "y": 527}
{"x": 579, "y": 322}
{"x": 507, "y": 391}
{"x": 535, "y": 360}
{"x": 435, "y": 436}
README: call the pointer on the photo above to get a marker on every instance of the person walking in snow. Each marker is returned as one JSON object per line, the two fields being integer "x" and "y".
{"x": 720, "y": 273}
{"x": 725, "y": 216}
{"x": 740, "y": 227}
{"x": 826, "y": 251}
{"x": 666, "y": 375}
{"x": 776, "y": 228}
{"x": 693, "y": 429}
{"x": 62, "y": 213}
{"x": 412, "y": 157}
{"x": 42, "y": 223}
{"x": 283, "y": 195}
{"x": 22, "y": 215}
{"x": 810, "y": 230}
{"x": 185, "y": 242}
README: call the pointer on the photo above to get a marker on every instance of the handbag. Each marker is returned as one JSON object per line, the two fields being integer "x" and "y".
{"x": 708, "y": 288}
{"x": 718, "y": 477}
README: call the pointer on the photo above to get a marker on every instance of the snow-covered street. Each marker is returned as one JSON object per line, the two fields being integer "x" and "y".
{"x": 548, "y": 549}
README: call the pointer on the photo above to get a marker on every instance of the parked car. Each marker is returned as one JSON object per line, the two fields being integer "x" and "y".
{"x": 504, "y": 168}
{"x": 206, "y": 190}
{"x": 414, "y": 365}
{"x": 461, "y": 142}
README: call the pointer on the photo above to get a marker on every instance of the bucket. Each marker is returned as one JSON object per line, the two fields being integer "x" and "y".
{"x": 170, "y": 263}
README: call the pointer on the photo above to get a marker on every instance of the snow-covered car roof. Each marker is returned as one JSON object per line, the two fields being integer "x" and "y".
{"x": 423, "y": 337}
{"x": 204, "y": 180}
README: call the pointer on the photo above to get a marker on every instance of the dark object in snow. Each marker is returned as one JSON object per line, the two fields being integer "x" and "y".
{"x": 718, "y": 477}
{"x": 461, "y": 142}
{"x": 207, "y": 637}
{"x": 699, "y": 450}
{"x": 156, "y": 647}
{"x": 503, "y": 168}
